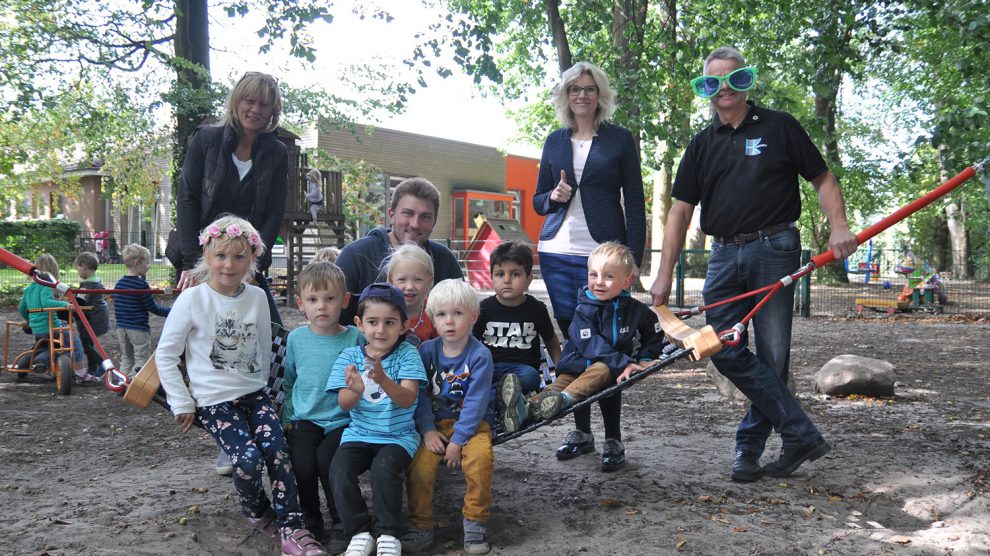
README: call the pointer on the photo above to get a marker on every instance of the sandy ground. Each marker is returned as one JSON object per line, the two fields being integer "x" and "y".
{"x": 88, "y": 474}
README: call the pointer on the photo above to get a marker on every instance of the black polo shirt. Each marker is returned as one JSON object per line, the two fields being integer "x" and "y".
{"x": 746, "y": 178}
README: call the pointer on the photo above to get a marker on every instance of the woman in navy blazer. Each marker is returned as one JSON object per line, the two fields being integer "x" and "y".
{"x": 590, "y": 188}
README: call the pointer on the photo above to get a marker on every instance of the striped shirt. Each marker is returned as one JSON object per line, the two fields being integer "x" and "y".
{"x": 131, "y": 310}
{"x": 376, "y": 419}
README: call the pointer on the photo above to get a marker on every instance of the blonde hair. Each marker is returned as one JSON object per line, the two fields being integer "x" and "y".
{"x": 47, "y": 263}
{"x": 322, "y": 276}
{"x": 202, "y": 273}
{"x": 314, "y": 175}
{"x": 325, "y": 255}
{"x": 409, "y": 253}
{"x": 256, "y": 85}
{"x": 615, "y": 253}
{"x": 135, "y": 253}
{"x": 450, "y": 293}
{"x": 561, "y": 99}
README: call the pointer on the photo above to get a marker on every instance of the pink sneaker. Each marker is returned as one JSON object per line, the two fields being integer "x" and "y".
{"x": 267, "y": 524}
{"x": 301, "y": 543}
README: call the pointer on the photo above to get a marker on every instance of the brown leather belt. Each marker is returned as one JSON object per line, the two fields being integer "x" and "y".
{"x": 753, "y": 236}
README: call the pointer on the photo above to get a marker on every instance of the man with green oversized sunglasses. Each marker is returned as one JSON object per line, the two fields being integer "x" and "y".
{"x": 743, "y": 170}
{"x": 742, "y": 79}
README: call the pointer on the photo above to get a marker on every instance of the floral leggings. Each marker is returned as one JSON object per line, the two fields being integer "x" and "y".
{"x": 249, "y": 430}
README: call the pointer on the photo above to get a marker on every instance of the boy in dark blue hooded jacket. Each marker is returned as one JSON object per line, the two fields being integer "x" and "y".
{"x": 611, "y": 337}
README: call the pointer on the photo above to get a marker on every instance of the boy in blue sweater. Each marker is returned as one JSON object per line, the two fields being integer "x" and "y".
{"x": 612, "y": 336}
{"x": 131, "y": 310}
{"x": 313, "y": 420}
{"x": 454, "y": 416}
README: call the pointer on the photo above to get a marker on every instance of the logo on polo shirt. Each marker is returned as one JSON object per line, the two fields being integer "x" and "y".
{"x": 753, "y": 146}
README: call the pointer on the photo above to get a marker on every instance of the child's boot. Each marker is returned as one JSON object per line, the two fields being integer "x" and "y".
{"x": 613, "y": 455}
{"x": 576, "y": 443}
{"x": 510, "y": 403}
{"x": 301, "y": 543}
{"x": 474, "y": 538}
{"x": 546, "y": 405}
{"x": 417, "y": 540}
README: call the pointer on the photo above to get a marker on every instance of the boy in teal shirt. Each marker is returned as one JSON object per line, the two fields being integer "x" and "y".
{"x": 313, "y": 420}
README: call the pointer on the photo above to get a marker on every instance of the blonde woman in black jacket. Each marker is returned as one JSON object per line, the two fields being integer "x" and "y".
{"x": 237, "y": 166}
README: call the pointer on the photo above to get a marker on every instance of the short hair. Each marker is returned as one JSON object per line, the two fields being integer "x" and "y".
{"x": 253, "y": 84}
{"x": 322, "y": 276}
{"x": 452, "y": 292}
{"x": 87, "y": 260}
{"x": 135, "y": 253}
{"x": 615, "y": 253}
{"x": 725, "y": 53}
{"x": 561, "y": 98}
{"x": 418, "y": 187}
{"x": 409, "y": 253}
{"x": 512, "y": 252}
{"x": 325, "y": 255}
{"x": 47, "y": 263}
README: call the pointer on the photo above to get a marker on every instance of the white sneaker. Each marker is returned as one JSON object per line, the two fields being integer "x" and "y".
{"x": 388, "y": 546}
{"x": 361, "y": 545}
{"x": 224, "y": 465}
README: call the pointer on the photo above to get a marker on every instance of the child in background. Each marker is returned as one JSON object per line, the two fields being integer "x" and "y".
{"x": 37, "y": 296}
{"x": 611, "y": 337}
{"x": 99, "y": 316}
{"x": 313, "y": 192}
{"x": 312, "y": 420}
{"x": 511, "y": 325}
{"x": 410, "y": 269}
{"x": 131, "y": 310}
{"x": 378, "y": 384}
{"x": 325, "y": 255}
{"x": 224, "y": 327}
{"x": 454, "y": 414}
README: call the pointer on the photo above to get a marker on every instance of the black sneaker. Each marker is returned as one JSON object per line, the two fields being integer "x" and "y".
{"x": 746, "y": 467}
{"x": 575, "y": 444}
{"x": 613, "y": 455}
{"x": 792, "y": 458}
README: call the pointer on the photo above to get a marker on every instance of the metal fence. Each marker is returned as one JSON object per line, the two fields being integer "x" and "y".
{"x": 882, "y": 291}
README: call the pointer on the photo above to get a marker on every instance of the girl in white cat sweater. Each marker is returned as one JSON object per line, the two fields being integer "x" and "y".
{"x": 224, "y": 328}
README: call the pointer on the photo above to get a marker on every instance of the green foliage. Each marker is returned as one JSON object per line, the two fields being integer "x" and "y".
{"x": 28, "y": 239}
{"x": 11, "y": 294}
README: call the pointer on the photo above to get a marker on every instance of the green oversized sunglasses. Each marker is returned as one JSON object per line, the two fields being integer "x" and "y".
{"x": 742, "y": 79}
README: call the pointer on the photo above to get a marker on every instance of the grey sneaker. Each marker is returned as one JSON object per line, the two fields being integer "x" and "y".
{"x": 546, "y": 405}
{"x": 510, "y": 403}
{"x": 224, "y": 465}
{"x": 417, "y": 540}
{"x": 474, "y": 538}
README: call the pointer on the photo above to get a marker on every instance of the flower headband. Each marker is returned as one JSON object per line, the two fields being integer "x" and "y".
{"x": 232, "y": 231}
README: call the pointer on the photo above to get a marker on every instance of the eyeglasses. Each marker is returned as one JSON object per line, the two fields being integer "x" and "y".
{"x": 575, "y": 91}
{"x": 742, "y": 79}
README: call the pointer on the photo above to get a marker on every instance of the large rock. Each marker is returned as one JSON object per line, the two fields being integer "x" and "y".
{"x": 729, "y": 390}
{"x": 852, "y": 374}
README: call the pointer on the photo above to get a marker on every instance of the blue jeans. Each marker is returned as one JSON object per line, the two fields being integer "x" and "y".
{"x": 41, "y": 358}
{"x": 564, "y": 275}
{"x": 249, "y": 430}
{"x": 761, "y": 376}
{"x": 529, "y": 378}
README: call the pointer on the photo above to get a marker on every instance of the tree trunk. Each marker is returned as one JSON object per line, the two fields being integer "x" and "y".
{"x": 955, "y": 221}
{"x": 564, "y": 61}
{"x": 192, "y": 99}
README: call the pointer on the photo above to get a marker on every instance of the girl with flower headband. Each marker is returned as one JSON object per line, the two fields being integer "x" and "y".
{"x": 224, "y": 328}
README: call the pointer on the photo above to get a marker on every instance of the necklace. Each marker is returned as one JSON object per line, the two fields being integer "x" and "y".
{"x": 582, "y": 142}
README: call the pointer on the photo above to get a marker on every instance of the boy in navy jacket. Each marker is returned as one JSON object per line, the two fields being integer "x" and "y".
{"x": 611, "y": 337}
